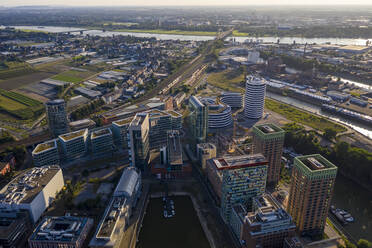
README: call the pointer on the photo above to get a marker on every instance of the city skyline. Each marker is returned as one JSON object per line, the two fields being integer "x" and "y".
{"x": 179, "y": 3}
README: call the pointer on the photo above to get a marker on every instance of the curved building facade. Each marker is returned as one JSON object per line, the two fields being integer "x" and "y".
{"x": 233, "y": 99}
{"x": 255, "y": 89}
{"x": 57, "y": 117}
{"x": 219, "y": 114}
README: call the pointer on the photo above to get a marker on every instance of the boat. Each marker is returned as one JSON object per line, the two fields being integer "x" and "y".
{"x": 342, "y": 215}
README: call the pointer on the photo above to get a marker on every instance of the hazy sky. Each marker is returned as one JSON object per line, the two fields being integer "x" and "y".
{"x": 181, "y": 2}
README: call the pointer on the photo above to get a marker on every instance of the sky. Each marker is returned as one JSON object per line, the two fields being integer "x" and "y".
{"x": 180, "y": 2}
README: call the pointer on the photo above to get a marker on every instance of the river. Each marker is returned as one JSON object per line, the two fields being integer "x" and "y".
{"x": 358, "y": 201}
{"x": 363, "y": 129}
{"x": 284, "y": 40}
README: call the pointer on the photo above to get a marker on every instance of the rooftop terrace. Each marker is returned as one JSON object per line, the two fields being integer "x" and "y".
{"x": 69, "y": 136}
{"x": 100, "y": 133}
{"x": 123, "y": 122}
{"x": 238, "y": 162}
{"x": 45, "y": 146}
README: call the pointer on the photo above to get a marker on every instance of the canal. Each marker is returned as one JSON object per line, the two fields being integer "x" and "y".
{"x": 182, "y": 231}
{"x": 358, "y": 201}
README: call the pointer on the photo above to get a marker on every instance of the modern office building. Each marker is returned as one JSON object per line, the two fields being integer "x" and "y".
{"x": 120, "y": 131}
{"x": 62, "y": 231}
{"x": 102, "y": 142}
{"x": 313, "y": 179}
{"x": 115, "y": 219}
{"x": 46, "y": 153}
{"x": 15, "y": 226}
{"x": 255, "y": 90}
{"x": 237, "y": 179}
{"x": 74, "y": 144}
{"x": 219, "y": 114}
{"x": 268, "y": 225}
{"x": 174, "y": 151}
{"x": 33, "y": 190}
{"x": 81, "y": 124}
{"x": 160, "y": 124}
{"x": 56, "y": 113}
{"x": 198, "y": 119}
{"x": 205, "y": 151}
{"x": 138, "y": 144}
{"x": 293, "y": 242}
{"x": 233, "y": 99}
{"x": 268, "y": 139}
{"x": 176, "y": 119}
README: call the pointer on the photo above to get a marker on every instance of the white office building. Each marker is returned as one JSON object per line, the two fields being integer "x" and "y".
{"x": 33, "y": 190}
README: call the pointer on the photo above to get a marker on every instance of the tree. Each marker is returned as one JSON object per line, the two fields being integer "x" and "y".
{"x": 330, "y": 134}
{"x": 362, "y": 243}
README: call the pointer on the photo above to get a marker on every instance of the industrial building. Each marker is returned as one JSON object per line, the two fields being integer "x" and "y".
{"x": 233, "y": 99}
{"x": 120, "y": 132}
{"x": 74, "y": 144}
{"x": 32, "y": 190}
{"x": 237, "y": 179}
{"x": 46, "y": 153}
{"x": 205, "y": 151}
{"x": 15, "y": 227}
{"x": 198, "y": 119}
{"x": 139, "y": 144}
{"x": 268, "y": 139}
{"x": 101, "y": 142}
{"x": 219, "y": 114}
{"x": 62, "y": 231}
{"x": 116, "y": 216}
{"x": 255, "y": 90}
{"x": 56, "y": 113}
{"x": 268, "y": 225}
{"x": 313, "y": 179}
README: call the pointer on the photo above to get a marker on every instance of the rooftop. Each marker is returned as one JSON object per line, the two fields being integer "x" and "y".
{"x": 100, "y": 133}
{"x": 174, "y": 113}
{"x": 156, "y": 113}
{"x": 174, "y": 148}
{"x": 10, "y": 221}
{"x": 238, "y": 162}
{"x": 69, "y": 136}
{"x": 123, "y": 122}
{"x": 269, "y": 128}
{"x": 315, "y": 162}
{"x": 64, "y": 228}
{"x": 139, "y": 119}
{"x": 45, "y": 146}
{"x": 26, "y": 186}
{"x": 56, "y": 102}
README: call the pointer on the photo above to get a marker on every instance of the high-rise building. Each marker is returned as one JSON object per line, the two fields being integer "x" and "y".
{"x": 57, "y": 117}
{"x": 268, "y": 224}
{"x": 205, "y": 151}
{"x": 174, "y": 151}
{"x": 61, "y": 231}
{"x": 74, "y": 144}
{"x": 198, "y": 119}
{"x": 46, "y": 153}
{"x": 237, "y": 180}
{"x": 255, "y": 90}
{"x": 102, "y": 142}
{"x": 268, "y": 139}
{"x": 139, "y": 140}
{"x": 219, "y": 114}
{"x": 313, "y": 179}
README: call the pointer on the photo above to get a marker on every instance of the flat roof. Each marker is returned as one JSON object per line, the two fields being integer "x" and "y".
{"x": 100, "y": 133}
{"x": 26, "y": 186}
{"x": 139, "y": 119}
{"x": 238, "y": 162}
{"x": 123, "y": 122}
{"x": 69, "y": 136}
{"x": 61, "y": 228}
{"x": 268, "y": 128}
{"x": 174, "y": 113}
{"x": 156, "y": 112}
{"x": 315, "y": 162}
{"x": 111, "y": 216}
{"x": 45, "y": 146}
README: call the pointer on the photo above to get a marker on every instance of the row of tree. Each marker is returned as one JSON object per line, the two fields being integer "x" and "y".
{"x": 86, "y": 110}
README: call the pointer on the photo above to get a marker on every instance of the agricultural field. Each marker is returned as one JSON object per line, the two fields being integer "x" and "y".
{"x": 23, "y": 80}
{"x": 73, "y": 76}
{"x": 19, "y": 106}
{"x": 229, "y": 80}
{"x": 13, "y": 69}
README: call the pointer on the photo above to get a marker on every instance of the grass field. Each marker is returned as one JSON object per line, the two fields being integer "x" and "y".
{"x": 9, "y": 104}
{"x": 297, "y": 115}
{"x": 161, "y": 31}
{"x": 73, "y": 76}
{"x": 228, "y": 80}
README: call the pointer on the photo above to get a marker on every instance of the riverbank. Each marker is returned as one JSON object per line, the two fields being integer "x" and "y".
{"x": 162, "y": 31}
